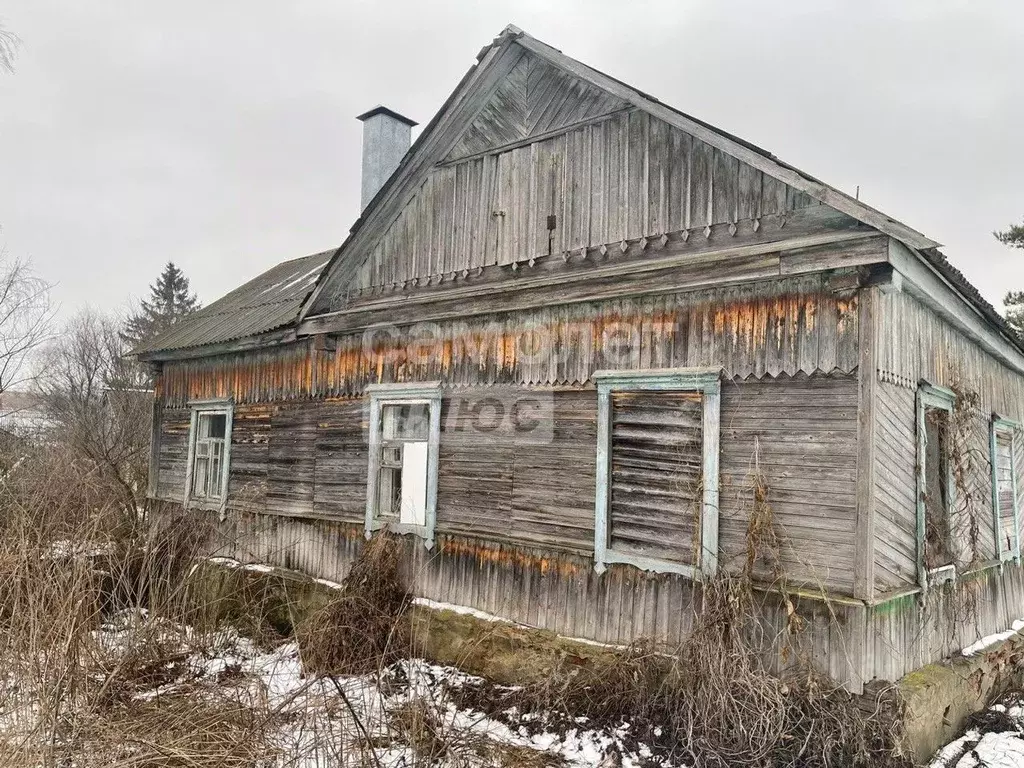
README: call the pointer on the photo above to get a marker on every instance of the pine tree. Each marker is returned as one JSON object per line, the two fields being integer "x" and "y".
{"x": 1014, "y": 300}
{"x": 170, "y": 299}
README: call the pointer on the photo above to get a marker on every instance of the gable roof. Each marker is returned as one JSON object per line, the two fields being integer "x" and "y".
{"x": 495, "y": 62}
{"x": 274, "y": 300}
{"x": 265, "y": 303}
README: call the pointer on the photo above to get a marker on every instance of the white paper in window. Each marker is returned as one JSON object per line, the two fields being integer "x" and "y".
{"x": 414, "y": 484}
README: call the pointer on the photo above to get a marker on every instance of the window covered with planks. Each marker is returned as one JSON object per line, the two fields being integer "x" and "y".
{"x": 402, "y": 482}
{"x": 1004, "y": 450}
{"x": 657, "y": 470}
{"x": 937, "y": 542}
{"x": 209, "y": 453}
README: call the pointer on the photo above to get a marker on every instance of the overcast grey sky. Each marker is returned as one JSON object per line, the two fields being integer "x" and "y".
{"x": 221, "y": 135}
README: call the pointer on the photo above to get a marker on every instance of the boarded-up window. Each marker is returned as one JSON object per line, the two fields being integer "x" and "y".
{"x": 1004, "y": 489}
{"x": 657, "y": 456}
{"x": 657, "y": 470}
{"x": 402, "y": 473}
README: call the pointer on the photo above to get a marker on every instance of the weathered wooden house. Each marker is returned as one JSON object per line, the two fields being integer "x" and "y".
{"x": 575, "y": 339}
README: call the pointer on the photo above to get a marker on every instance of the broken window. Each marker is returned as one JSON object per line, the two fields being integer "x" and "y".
{"x": 937, "y": 542}
{"x": 1004, "y": 489}
{"x": 938, "y": 530}
{"x": 657, "y": 496}
{"x": 404, "y": 428}
{"x": 209, "y": 453}
{"x": 402, "y": 486}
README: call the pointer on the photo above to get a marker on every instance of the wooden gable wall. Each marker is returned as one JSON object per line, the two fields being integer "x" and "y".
{"x": 547, "y": 144}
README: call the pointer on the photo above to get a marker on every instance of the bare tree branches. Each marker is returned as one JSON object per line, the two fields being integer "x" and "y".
{"x": 9, "y": 43}
{"x": 94, "y": 396}
{"x": 26, "y": 316}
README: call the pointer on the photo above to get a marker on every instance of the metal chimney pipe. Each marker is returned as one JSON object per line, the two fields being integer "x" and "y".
{"x": 387, "y": 136}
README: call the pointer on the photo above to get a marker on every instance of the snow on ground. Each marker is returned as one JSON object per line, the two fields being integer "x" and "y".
{"x": 991, "y": 640}
{"x": 997, "y": 740}
{"x": 335, "y": 721}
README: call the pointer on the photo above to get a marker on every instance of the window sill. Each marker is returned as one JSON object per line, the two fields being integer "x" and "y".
{"x": 207, "y": 506}
{"x": 403, "y": 529}
{"x": 941, "y": 575}
{"x": 646, "y": 564}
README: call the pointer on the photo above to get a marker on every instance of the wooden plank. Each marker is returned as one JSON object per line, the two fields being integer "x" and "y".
{"x": 867, "y": 380}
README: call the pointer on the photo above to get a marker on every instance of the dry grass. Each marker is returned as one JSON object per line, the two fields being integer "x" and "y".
{"x": 93, "y": 601}
{"x": 712, "y": 704}
{"x": 366, "y": 627}
{"x": 72, "y": 559}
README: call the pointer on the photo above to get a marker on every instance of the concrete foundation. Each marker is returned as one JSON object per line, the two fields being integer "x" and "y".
{"x": 939, "y": 697}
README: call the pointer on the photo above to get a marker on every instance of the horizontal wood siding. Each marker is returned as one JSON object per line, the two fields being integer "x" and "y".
{"x": 510, "y": 487}
{"x": 797, "y": 440}
{"x": 657, "y": 459}
{"x": 340, "y": 460}
{"x": 794, "y": 436}
{"x": 558, "y": 592}
{"x": 787, "y": 326}
{"x": 291, "y": 459}
{"x": 916, "y": 344}
{"x": 895, "y": 487}
{"x": 172, "y": 456}
{"x": 621, "y": 178}
{"x": 249, "y": 455}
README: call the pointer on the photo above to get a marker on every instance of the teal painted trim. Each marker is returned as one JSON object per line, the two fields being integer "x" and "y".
{"x": 712, "y": 445}
{"x": 707, "y": 382}
{"x": 1012, "y": 428}
{"x": 993, "y": 457}
{"x": 938, "y": 396}
{"x": 922, "y": 575}
{"x": 929, "y": 396}
{"x": 669, "y": 379}
{"x": 226, "y": 406}
{"x": 405, "y": 391}
{"x": 603, "y": 474}
{"x": 423, "y": 393}
{"x": 433, "y": 449}
{"x": 649, "y": 564}
{"x": 373, "y": 469}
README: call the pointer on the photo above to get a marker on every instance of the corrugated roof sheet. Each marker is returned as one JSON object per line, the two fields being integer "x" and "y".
{"x": 263, "y": 304}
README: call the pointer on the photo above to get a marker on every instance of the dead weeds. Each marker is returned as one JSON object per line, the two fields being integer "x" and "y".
{"x": 366, "y": 627}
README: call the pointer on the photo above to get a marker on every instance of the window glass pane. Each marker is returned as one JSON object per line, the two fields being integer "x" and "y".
{"x": 655, "y": 483}
{"x": 210, "y": 455}
{"x": 389, "y": 492}
{"x": 216, "y": 467}
{"x": 938, "y": 544}
{"x": 212, "y": 425}
{"x": 200, "y": 476}
{"x": 405, "y": 421}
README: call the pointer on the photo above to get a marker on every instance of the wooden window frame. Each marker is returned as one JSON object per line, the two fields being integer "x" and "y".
{"x": 420, "y": 393}
{"x": 931, "y": 396}
{"x": 707, "y": 381}
{"x": 214, "y": 407}
{"x": 1000, "y": 425}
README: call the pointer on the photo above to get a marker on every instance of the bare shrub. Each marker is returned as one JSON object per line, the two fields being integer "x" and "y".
{"x": 92, "y": 607}
{"x": 366, "y": 626}
{"x": 99, "y": 404}
{"x": 711, "y": 704}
